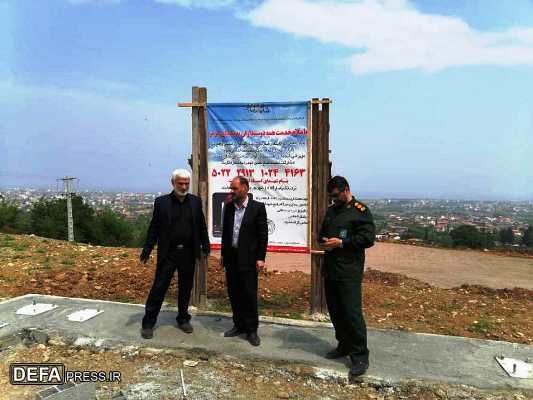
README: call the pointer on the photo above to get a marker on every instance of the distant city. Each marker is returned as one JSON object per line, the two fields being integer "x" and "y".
{"x": 445, "y": 215}
{"x": 394, "y": 217}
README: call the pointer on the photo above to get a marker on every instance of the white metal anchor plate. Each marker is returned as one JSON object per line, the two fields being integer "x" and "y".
{"x": 35, "y": 309}
{"x": 516, "y": 368}
{"x": 84, "y": 315}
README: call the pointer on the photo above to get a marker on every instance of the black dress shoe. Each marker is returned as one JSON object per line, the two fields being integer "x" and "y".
{"x": 335, "y": 353}
{"x": 147, "y": 333}
{"x": 253, "y": 339}
{"x": 358, "y": 368}
{"x": 233, "y": 332}
{"x": 185, "y": 327}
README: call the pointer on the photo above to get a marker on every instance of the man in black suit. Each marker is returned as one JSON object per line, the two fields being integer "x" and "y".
{"x": 179, "y": 229}
{"x": 244, "y": 246}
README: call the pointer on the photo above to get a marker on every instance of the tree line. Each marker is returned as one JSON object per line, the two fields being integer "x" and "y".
{"x": 48, "y": 218}
{"x": 469, "y": 236}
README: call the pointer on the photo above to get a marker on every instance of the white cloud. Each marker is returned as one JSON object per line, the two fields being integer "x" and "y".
{"x": 210, "y": 4}
{"x": 389, "y": 35}
{"x": 97, "y": 2}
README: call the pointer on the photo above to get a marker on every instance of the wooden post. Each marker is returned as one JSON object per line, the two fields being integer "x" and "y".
{"x": 198, "y": 163}
{"x": 319, "y": 202}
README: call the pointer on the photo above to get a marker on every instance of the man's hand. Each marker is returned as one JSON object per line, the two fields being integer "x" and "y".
{"x": 322, "y": 244}
{"x": 260, "y": 265}
{"x": 143, "y": 262}
{"x": 332, "y": 243}
{"x": 144, "y": 258}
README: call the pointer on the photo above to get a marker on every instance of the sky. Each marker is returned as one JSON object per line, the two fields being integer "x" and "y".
{"x": 431, "y": 98}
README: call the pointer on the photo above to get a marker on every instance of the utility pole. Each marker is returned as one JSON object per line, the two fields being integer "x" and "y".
{"x": 69, "y": 190}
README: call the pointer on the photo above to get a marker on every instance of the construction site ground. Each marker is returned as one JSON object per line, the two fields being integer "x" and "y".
{"x": 289, "y": 364}
{"x": 30, "y": 264}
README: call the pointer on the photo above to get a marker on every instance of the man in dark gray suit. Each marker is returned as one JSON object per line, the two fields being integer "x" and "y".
{"x": 244, "y": 246}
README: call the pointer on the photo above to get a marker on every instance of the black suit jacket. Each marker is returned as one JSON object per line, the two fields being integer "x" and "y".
{"x": 160, "y": 228}
{"x": 253, "y": 234}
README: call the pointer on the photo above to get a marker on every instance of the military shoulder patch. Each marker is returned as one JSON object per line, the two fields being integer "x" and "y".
{"x": 360, "y": 206}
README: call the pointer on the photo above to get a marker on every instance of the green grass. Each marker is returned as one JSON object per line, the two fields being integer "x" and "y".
{"x": 21, "y": 246}
{"x": 40, "y": 250}
{"x": 280, "y": 305}
{"x": 8, "y": 279}
{"x": 125, "y": 255}
{"x": 68, "y": 261}
{"x": 7, "y": 241}
{"x": 46, "y": 263}
{"x": 388, "y": 303}
{"x": 451, "y": 332}
{"x": 480, "y": 326}
{"x": 219, "y": 304}
{"x": 124, "y": 299}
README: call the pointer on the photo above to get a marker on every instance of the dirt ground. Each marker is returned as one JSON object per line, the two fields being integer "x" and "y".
{"x": 391, "y": 301}
{"x": 439, "y": 267}
{"x": 150, "y": 373}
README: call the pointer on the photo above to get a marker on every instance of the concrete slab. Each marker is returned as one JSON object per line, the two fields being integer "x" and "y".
{"x": 395, "y": 356}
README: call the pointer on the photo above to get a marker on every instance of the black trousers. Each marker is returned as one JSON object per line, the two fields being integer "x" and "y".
{"x": 344, "y": 300}
{"x": 242, "y": 292}
{"x": 183, "y": 261}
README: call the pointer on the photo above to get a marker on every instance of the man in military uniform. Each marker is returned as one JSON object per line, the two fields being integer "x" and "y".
{"x": 347, "y": 230}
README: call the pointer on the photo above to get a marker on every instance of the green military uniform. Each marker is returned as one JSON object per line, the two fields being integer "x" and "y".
{"x": 343, "y": 272}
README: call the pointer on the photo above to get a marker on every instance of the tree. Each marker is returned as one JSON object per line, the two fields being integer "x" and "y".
{"x": 380, "y": 222}
{"x": 506, "y": 236}
{"x": 527, "y": 239}
{"x": 111, "y": 229}
{"x": 140, "y": 228}
{"x": 467, "y": 236}
{"x": 49, "y": 219}
{"x": 8, "y": 216}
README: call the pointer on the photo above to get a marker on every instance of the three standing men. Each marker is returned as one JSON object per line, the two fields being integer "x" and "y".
{"x": 347, "y": 230}
{"x": 244, "y": 246}
{"x": 179, "y": 229}
{"x": 178, "y": 226}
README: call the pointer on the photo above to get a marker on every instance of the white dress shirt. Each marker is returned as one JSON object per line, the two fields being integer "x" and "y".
{"x": 237, "y": 220}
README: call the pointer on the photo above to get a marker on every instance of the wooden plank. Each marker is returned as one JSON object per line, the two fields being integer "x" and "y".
{"x": 309, "y": 177}
{"x": 199, "y": 185}
{"x": 193, "y": 104}
{"x": 325, "y": 176}
{"x": 326, "y": 128}
{"x": 321, "y": 206}
{"x": 203, "y": 192}
{"x": 324, "y": 100}
{"x": 316, "y": 279}
{"x": 195, "y": 119}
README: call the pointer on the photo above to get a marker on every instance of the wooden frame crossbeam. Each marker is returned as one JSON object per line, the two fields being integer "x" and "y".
{"x": 193, "y": 104}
